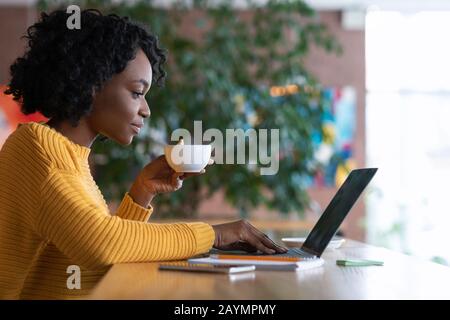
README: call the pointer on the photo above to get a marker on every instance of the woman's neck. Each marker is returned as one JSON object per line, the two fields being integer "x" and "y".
{"x": 81, "y": 134}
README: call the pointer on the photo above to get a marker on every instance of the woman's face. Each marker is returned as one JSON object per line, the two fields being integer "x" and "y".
{"x": 119, "y": 108}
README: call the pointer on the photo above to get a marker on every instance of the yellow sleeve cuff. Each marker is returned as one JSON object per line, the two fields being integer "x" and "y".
{"x": 130, "y": 210}
{"x": 204, "y": 236}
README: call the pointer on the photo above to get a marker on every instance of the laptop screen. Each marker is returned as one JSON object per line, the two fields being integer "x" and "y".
{"x": 337, "y": 210}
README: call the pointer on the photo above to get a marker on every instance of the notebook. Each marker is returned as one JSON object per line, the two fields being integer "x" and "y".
{"x": 264, "y": 264}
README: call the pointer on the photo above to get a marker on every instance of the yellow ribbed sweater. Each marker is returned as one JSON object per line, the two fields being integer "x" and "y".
{"x": 53, "y": 215}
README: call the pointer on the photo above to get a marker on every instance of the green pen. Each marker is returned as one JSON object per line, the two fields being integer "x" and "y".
{"x": 358, "y": 263}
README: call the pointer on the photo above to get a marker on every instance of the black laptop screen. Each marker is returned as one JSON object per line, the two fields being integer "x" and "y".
{"x": 337, "y": 210}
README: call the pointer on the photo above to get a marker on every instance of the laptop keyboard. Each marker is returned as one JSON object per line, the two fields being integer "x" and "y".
{"x": 301, "y": 253}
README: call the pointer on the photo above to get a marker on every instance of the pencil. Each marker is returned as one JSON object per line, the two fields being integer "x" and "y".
{"x": 260, "y": 258}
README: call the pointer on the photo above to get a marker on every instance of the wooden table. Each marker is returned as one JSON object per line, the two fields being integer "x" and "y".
{"x": 402, "y": 277}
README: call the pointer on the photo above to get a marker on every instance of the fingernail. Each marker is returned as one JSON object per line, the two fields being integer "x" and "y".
{"x": 271, "y": 251}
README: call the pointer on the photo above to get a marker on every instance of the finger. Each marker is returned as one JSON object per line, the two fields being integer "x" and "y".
{"x": 176, "y": 181}
{"x": 160, "y": 163}
{"x": 164, "y": 173}
{"x": 254, "y": 241}
{"x": 267, "y": 241}
{"x": 192, "y": 174}
{"x": 270, "y": 244}
{"x": 241, "y": 245}
{"x": 177, "y": 174}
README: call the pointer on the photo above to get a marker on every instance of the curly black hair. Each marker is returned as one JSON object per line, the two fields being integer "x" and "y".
{"x": 62, "y": 67}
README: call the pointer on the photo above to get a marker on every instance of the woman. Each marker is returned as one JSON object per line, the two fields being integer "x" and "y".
{"x": 88, "y": 82}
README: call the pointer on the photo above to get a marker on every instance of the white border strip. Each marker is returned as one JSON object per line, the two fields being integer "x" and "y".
{"x": 406, "y": 5}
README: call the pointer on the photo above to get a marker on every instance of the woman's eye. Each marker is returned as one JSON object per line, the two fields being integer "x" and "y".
{"x": 136, "y": 94}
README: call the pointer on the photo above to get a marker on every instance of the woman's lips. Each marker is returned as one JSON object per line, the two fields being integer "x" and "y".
{"x": 136, "y": 128}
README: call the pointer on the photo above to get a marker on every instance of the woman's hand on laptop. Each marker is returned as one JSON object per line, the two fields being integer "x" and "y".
{"x": 241, "y": 235}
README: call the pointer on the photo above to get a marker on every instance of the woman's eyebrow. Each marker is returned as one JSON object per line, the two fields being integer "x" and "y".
{"x": 144, "y": 82}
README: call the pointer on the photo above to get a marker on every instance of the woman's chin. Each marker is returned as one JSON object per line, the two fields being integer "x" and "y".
{"x": 124, "y": 140}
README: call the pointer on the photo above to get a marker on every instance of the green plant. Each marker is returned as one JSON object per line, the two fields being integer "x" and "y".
{"x": 221, "y": 73}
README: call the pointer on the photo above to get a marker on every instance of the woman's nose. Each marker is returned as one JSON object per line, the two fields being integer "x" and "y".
{"x": 145, "y": 110}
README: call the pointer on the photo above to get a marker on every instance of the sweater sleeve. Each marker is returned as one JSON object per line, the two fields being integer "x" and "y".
{"x": 128, "y": 209}
{"x": 85, "y": 232}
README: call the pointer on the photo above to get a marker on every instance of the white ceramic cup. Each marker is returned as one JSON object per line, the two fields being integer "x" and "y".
{"x": 187, "y": 158}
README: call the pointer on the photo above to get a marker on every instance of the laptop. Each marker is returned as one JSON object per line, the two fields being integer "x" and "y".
{"x": 333, "y": 216}
{"x": 335, "y": 213}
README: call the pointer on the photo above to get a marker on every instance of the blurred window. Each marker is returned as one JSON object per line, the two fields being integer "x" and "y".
{"x": 408, "y": 131}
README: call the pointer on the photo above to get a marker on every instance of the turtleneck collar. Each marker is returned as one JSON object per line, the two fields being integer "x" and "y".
{"x": 82, "y": 151}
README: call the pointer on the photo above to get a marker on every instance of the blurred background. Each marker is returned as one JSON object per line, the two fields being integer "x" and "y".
{"x": 349, "y": 84}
